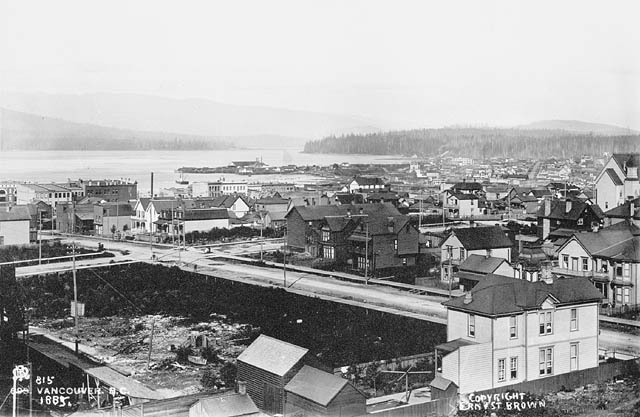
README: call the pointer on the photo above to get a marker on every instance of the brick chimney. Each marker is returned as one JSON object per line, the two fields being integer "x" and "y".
{"x": 390, "y": 224}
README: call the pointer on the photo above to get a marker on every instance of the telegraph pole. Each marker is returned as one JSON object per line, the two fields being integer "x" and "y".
{"x": 284, "y": 261}
{"x": 366, "y": 253}
{"x": 75, "y": 294}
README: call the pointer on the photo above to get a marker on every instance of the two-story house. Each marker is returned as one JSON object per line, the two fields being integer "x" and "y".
{"x": 618, "y": 181}
{"x": 568, "y": 214}
{"x": 506, "y": 331}
{"x": 462, "y": 204}
{"x": 609, "y": 258}
{"x": 140, "y": 221}
{"x": 462, "y": 242}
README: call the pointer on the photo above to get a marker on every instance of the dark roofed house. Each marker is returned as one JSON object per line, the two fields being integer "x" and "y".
{"x": 507, "y": 331}
{"x": 568, "y": 214}
{"x": 266, "y": 366}
{"x": 476, "y": 267}
{"x": 313, "y": 392}
{"x": 488, "y": 241}
{"x": 367, "y": 185}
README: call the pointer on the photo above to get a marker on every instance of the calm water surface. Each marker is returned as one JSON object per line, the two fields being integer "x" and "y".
{"x": 59, "y": 166}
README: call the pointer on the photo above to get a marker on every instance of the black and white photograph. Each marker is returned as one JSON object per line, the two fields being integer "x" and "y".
{"x": 299, "y": 208}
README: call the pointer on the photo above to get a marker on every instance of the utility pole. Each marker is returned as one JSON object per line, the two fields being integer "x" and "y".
{"x": 40, "y": 241}
{"x": 75, "y": 294}
{"x": 366, "y": 253}
{"x": 153, "y": 327}
{"x": 450, "y": 273}
{"x": 284, "y": 260}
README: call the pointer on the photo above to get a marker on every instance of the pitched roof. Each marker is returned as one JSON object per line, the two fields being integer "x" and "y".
{"x": 497, "y": 295}
{"x": 310, "y": 213}
{"x": 272, "y": 355}
{"x": 316, "y": 385}
{"x": 14, "y": 213}
{"x": 441, "y": 383}
{"x": 628, "y": 159}
{"x": 229, "y": 406}
{"x": 474, "y": 238}
{"x": 620, "y": 242}
{"x": 559, "y": 210}
{"x": 116, "y": 380}
{"x": 470, "y": 186}
{"x": 614, "y": 177}
{"x": 368, "y": 180}
{"x": 623, "y": 211}
{"x": 144, "y": 202}
{"x": 463, "y": 196}
{"x": 206, "y": 214}
{"x": 481, "y": 264}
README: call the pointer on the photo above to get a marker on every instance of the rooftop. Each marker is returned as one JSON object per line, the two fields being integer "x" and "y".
{"x": 316, "y": 385}
{"x": 272, "y": 355}
{"x": 474, "y": 238}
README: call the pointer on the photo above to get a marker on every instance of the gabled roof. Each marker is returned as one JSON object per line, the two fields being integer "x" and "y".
{"x": 463, "y": 196}
{"x": 623, "y": 211}
{"x": 14, "y": 213}
{"x": 620, "y": 242}
{"x": 316, "y": 385}
{"x": 206, "y": 214}
{"x": 441, "y": 383}
{"x": 559, "y": 210}
{"x": 368, "y": 180}
{"x": 144, "y": 202}
{"x": 272, "y": 355}
{"x": 336, "y": 224}
{"x": 628, "y": 159}
{"x": 481, "y": 264}
{"x": 310, "y": 213}
{"x": 614, "y": 177}
{"x": 233, "y": 405}
{"x": 474, "y": 238}
{"x": 540, "y": 193}
{"x": 497, "y": 295}
{"x": 117, "y": 380}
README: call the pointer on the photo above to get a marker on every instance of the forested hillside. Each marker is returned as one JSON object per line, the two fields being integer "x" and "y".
{"x": 478, "y": 143}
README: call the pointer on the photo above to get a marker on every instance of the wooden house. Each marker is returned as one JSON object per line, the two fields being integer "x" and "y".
{"x": 266, "y": 367}
{"x": 313, "y": 392}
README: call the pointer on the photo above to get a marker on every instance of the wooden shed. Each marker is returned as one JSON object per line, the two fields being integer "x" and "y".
{"x": 313, "y": 392}
{"x": 266, "y": 366}
{"x": 442, "y": 388}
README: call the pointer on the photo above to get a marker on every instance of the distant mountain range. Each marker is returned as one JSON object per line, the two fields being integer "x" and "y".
{"x": 24, "y": 131}
{"x": 244, "y": 126}
{"x": 578, "y": 127}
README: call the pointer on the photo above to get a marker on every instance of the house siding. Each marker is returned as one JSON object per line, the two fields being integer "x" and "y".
{"x": 474, "y": 360}
{"x": 15, "y": 232}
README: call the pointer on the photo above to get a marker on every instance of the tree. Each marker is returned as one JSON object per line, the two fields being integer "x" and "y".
{"x": 113, "y": 229}
{"x": 11, "y": 304}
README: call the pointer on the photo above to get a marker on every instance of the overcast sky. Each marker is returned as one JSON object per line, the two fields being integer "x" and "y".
{"x": 409, "y": 64}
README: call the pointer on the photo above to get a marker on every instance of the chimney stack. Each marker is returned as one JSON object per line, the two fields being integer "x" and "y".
{"x": 468, "y": 298}
{"x": 568, "y": 205}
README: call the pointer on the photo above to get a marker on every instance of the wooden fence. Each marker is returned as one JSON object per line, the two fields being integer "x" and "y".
{"x": 435, "y": 408}
{"x": 570, "y": 380}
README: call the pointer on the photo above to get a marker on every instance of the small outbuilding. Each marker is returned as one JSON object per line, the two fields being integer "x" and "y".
{"x": 266, "y": 366}
{"x": 313, "y": 392}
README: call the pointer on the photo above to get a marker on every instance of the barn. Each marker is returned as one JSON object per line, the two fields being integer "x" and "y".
{"x": 266, "y": 366}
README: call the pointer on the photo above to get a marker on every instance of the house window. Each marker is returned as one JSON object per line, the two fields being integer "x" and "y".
{"x": 546, "y": 361}
{"x": 404, "y": 261}
{"x": 574, "y": 319}
{"x": 546, "y": 322}
{"x": 573, "y": 357}
{"x": 325, "y": 236}
{"x": 618, "y": 295}
{"x": 626, "y": 268}
{"x": 580, "y": 221}
{"x": 585, "y": 264}
{"x": 362, "y": 261}
{"x": 565, "y": 261}
{"x": 328, "y": 252}
{"x": 618, "y": 270}
{"x": 513, "y": 327}
{"x": 395, "y": 245}
{"x": 471, "y": 325}
{"x": 501, "y": 370}
{"x": 513, "y": 367}
{"x": 627, "y": 292}
{"x": 462, "y": 254}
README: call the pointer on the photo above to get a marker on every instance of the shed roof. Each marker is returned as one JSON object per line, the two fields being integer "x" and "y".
{"x": 316, "y": 385}
{"x": 229, "y": 406}
{"x": 121, "y": 382}
{"x": 441, "y": 383}
{"x": 272, "y": 355}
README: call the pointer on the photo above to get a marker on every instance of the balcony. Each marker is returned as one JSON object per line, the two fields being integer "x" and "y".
{"x": 560, "y": 270}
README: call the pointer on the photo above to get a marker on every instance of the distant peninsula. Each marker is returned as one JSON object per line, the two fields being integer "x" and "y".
{"x": 31, "y": 132}
{"x": 484, "y": 143}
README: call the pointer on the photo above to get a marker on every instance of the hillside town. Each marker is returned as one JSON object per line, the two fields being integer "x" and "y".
{"x": 523, "y": 261}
